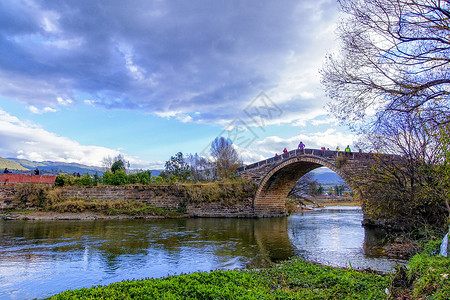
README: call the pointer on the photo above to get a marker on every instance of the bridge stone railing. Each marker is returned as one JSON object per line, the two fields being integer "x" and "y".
{"x": 330, "y": 154}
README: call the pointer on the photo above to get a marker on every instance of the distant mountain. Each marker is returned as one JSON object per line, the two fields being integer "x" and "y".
{"x": 156, "y": 172}
{"x": 52, "y": 167}
{"x": 327, "y": 177}
{"x": 11, "y": 165}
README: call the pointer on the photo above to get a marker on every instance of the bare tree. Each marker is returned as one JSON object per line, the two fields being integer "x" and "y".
{"x": 391, "y": 81}
{"x": 394, "y": 58}
{"x": 225, "y": 157}
{"x": 410, "y": 189}
{"x": 202, "y": 169}
{"x": 306, "y": 186}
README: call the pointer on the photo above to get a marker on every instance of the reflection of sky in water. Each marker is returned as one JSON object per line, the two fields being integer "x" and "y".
{"x": 39, "y": 259}
{"x": 336, "y": 238}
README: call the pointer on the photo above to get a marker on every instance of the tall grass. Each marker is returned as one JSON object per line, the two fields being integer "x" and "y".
{"x": 227, "y": 192}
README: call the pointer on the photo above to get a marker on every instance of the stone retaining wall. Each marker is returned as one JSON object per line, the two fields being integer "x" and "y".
{"x": 167, "y": 197}
{"x": 6, "y": 197}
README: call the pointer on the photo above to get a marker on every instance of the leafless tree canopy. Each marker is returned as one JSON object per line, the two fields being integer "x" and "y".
{"x": 394, "y": 59}
{"x": 201, "y": 168}
{"x": 225, "y": 157}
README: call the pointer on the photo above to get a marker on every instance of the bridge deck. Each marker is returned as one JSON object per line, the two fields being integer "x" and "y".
{"x": 298, "y": 152}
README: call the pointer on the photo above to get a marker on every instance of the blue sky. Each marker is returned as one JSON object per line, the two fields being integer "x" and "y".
{"x": 82, "y": 80}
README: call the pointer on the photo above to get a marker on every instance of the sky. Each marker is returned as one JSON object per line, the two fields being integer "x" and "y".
{"x": 83, "y": 80}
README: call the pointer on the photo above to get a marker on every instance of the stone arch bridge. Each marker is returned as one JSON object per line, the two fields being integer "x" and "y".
{"x": 276, "y": 176}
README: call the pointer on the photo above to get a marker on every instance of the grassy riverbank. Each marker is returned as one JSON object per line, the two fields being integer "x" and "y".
{"x": 292, "y": 279}
{"x": 425, "y": 278}
{"x": 34, "y": 201}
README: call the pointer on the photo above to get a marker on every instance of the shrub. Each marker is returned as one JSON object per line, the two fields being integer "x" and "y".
{"x": 118, "y": 178}
{"x": 86, "y": 180}
{"x": 430, "y": 274}
{"x": 227, "y": 192}
{"x": 30, "y": 195}
{"x": 144, "y": 177}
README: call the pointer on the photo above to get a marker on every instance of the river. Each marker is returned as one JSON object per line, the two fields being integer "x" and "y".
{"x": 42, "y": 258}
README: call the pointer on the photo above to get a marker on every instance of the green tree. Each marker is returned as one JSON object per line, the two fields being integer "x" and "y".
{"x": 117, "y": 166}
{"x": 306, "y": 186}
{"x": 120, "y": 177}
{"x": 177, "y": 167}
{"x": 108, "y": 162}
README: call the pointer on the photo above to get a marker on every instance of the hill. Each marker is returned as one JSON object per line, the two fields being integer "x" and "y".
{"x": 11, "y": 165}
{"x": 50, "y": 167}
{"x": 327, "y": 177}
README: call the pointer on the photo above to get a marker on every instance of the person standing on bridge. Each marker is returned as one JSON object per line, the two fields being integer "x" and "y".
{"x": 285, "y": 150}
{"x": 301, "y": 146}
{"x": 347, "y": 150}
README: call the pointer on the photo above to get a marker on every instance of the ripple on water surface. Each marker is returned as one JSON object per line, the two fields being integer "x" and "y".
{"x": 39, "y": 259}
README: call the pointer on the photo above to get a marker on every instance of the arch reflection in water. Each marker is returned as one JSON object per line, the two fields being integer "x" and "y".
{"x": 335, "y": 237}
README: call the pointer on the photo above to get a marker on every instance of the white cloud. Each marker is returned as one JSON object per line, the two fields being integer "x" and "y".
{"x": 89, "y": 102}
{"x": 36, "y": 110}
{"x": 168, "y": 114}
{"x": 274, "y": 144}
{"x": 146, "y": 63}
{"x": 333, "y": 121}
{"x": 30, "y": 141}
{"x": 65, "y": 102}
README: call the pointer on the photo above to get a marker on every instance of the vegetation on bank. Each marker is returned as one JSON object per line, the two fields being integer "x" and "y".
{"x": 45, "y": 198}
{"x": 426, "y": 277}
{"x": 429, "y": 273}
{"x": 225, "y": 191}
{"x": 292, "y": 279}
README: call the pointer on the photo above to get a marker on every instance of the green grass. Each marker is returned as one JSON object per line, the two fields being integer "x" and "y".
{"x": 430, "y": 273}
{"x": 294, "y": 279}
{"x": 426, "y": 277}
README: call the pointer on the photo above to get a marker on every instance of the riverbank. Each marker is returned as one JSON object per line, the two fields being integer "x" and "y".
{"x": 81, "y": 216}
{"x": 39, "y": 215}
{"x": 292, "y": 279}
{"x": 426, "y": 277}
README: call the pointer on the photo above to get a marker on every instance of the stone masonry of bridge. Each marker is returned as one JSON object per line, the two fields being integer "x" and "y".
{"x": 276, "y": 176}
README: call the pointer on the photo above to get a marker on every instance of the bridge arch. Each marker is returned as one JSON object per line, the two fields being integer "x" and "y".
{"x": 274, "y": 187}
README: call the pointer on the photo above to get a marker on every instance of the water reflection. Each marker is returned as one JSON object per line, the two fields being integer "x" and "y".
{"x": 335, "y": 237}
{"x": 38, "y": 259}
{"x": 42, "y": 258}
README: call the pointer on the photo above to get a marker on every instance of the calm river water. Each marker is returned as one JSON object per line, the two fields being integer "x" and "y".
{"x": 39, "y": 259}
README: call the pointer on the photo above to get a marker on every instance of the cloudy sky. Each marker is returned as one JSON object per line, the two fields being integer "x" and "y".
{"x": 81, "y": 80}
